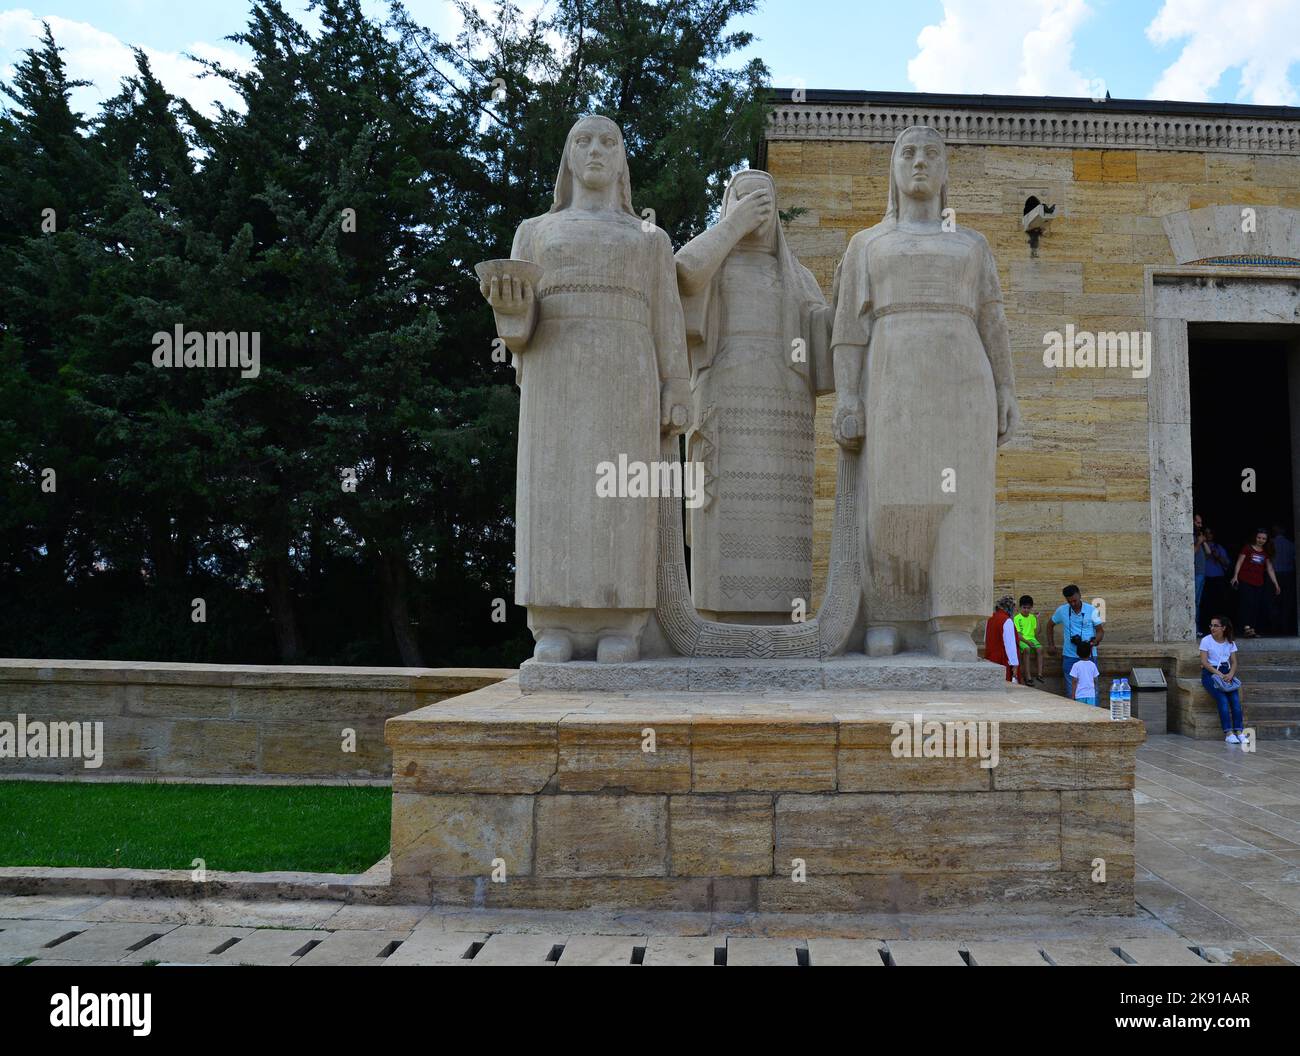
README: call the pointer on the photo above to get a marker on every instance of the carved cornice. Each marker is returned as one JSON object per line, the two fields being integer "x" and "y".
{"x": 873, "y": 123}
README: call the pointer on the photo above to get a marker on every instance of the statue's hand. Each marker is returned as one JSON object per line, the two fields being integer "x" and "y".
{"x": 752, "y": 211}
{"x": 849, "y": 424}
{"x": 1008, "y": 414}
{"x": 674, "y": 405}
{"x": 508, "y": 296}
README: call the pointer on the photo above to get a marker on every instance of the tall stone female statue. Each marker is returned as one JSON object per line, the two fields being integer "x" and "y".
{"x": 757, "y": 329}
{"x": 600, "y": 349}
{"x": 925, "y": 389}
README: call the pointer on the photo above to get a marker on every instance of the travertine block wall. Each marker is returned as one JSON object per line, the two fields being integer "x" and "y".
{"x": 1073, "y": 488}
{"x": 223, "y": 720}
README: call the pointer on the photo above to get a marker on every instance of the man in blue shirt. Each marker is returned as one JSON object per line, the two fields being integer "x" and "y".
{"x": 1080, "y": 623}
{"x": 1214, "y": 600}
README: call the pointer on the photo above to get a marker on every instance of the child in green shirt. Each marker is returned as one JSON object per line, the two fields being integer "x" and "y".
{"x": 1027, "y": 639}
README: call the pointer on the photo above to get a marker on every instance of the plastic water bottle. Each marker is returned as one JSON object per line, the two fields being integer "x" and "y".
{"x": 1126, "y": 698}
{"x": 1116, "y": 702}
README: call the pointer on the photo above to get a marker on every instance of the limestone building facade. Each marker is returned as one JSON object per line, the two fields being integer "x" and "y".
{"x": 1172, "y": 245}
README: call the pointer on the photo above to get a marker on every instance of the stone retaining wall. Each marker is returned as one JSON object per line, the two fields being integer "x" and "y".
{"x": 220, "y": 720}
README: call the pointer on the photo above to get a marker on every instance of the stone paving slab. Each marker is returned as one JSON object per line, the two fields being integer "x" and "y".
{"x": 1080, "y": 954}
{"x": 188, "y": 944}
{"x": 286, "y": 914}
{"x": 1248, "y": 954}
{"x": 145, "y": 910}
{"x": 1006, "y": 955}
{"x": 49, "y": 907}
{"x": 1196, "y": 923}
{"x": 592, "y": 950}
{"x": 363, "y": 948}
{"x": 745, "y": 952}
{"x": 518, "y": 950}
{"x": 578, "y": 922}
{"x": 27, "y": 938}
{"x": 377, "y": 918}
{"x": 908, "y": 953}
{"x": 44, "y": 963}
{"x": 218, "y": 912}
{"x": 1286, "y": 945}
{"x": 1161, "y": 951}
{"x": 433, "y": 946}
{"x": 105, "y": 942}
{"x": 845, "y": 952}
{"x": 682, "y": 950}
{"x": 270, "y": 946}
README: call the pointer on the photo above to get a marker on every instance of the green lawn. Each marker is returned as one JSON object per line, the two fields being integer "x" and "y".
{"x": 312, "y": 828}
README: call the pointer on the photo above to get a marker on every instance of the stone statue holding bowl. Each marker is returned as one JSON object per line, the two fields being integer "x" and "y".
{"x": 588, "y": 306}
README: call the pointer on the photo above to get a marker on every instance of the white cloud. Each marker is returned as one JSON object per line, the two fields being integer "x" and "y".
{"x": 1026, "y": 48}
{"x": 1261, "y": 37}
{"x": 101, "y": 58}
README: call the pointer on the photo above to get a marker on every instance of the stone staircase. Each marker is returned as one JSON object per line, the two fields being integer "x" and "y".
{"x": 1270, "y": 676}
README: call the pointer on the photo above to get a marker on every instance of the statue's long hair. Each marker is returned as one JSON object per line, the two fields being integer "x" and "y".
{"x": 891, "y": 211}
{"x": 564, "y": 178}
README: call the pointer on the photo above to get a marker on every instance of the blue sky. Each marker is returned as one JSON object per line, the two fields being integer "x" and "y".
{"x": 1202, "y": 50}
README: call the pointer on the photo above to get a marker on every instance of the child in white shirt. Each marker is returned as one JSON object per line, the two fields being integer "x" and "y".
{"x": 1085, "y": 675}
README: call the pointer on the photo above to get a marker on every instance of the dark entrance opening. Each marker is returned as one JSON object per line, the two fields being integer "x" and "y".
{"x": 1241, "y": 379}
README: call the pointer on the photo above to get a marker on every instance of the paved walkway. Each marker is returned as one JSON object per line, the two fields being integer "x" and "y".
{"x": 41, "y": 930}
{"x": 1218, "y": 843}
{"x": 1218, "y": 847}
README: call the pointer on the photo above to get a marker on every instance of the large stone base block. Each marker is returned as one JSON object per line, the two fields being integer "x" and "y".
{"x": 776, "y": 801}
{"x": 910, "y": 670}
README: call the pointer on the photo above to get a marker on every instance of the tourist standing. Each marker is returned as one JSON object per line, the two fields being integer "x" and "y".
{"x": 1000, "y": 637}
{"x": 1217, "y": 563}
{"x": 1026, "y": 625}
{"x": 1219, "y": 676}
{"x": 1253, "y": 564}
{"x": 1080, "y": 623}
{"x": 1085, "y": 674}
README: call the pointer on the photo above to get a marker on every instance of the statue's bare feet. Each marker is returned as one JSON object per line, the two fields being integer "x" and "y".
{"x": 553, "y": 647}
{"x": 881, "y": 641}
{"x": 955, "y": 645}
{"x": 616, "y": 649}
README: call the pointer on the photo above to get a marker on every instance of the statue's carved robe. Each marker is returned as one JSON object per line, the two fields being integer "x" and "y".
{"x": 928, "y": 309}
{"x": 609, "y": 331}
{"x": 754, "y": 402}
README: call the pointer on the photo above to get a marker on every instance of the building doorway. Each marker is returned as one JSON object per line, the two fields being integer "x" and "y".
{"x": 1244, "y": 381}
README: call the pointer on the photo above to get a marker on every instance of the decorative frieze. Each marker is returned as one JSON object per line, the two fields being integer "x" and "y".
{"x": 961, "y": 126}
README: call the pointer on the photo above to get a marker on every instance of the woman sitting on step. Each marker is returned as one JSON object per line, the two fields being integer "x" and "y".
{"x": 1219, "y": 676}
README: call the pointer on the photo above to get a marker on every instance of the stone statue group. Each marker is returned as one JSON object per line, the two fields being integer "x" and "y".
{"x": 620, "y": 346}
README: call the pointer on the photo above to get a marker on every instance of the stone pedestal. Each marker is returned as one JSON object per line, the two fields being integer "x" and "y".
{"x": 913, "y": 670}
{"x": 772, "y": 801}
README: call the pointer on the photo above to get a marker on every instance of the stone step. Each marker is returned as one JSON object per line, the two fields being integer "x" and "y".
{"x": 1272, "y": 692}
{"x": 1284, "y": 674}
{"x": 1276, "y": 710}
{"x": 1274, "y": 646}
{"x": 1275, "y": 731}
